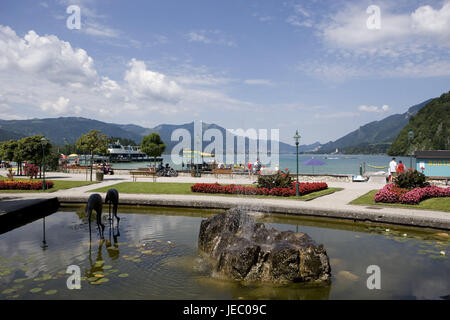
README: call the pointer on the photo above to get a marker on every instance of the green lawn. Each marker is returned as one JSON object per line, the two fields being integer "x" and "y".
{"x": 440, "y": 204}
{"x": 185, "y": 188}
{"x": 58, "y": 185}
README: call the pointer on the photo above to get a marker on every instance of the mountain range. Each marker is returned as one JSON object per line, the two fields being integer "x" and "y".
{"x": 374, "y": 137}
{"x": 430, "y": 128}
{"x": 66, "y": 130}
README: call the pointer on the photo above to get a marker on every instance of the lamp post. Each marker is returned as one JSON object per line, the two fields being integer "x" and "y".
{"x": 197, "y": 138}
{"x": 43, "y": 143}
{"x": 410, "y": 139}
{"x": 297, "y": 139}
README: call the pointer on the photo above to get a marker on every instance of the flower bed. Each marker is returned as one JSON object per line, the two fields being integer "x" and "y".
{"x": 304, "y": 188}
{"x": 393, "y": 194}
{"x": 24, "y": 185}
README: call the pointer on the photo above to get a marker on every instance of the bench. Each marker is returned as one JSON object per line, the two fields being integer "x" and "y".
{"x": 216, "y": 172}
{"x": 143, "y": 174}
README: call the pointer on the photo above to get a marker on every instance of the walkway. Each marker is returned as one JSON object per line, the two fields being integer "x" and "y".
{"x": 332, "y": 206}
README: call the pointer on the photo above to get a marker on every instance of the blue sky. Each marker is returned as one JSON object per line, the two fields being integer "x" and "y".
{"x": 311, "y": 65}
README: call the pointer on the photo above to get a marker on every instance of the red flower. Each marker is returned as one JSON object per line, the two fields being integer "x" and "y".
{"x": 304, "y": 188}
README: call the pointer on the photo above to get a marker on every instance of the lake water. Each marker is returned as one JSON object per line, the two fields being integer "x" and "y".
{"x": 334, "y": 164}
{"x": 153, "y": 255}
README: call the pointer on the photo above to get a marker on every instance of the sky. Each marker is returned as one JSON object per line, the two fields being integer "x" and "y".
{"x": 324, "y": 67}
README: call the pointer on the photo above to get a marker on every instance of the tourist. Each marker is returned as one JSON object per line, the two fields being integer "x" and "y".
{"x": 249, "y": 166}
{"x": 392, "y": 169}
{"x": 257, "y": 166}
{"x": 400, "y": 167}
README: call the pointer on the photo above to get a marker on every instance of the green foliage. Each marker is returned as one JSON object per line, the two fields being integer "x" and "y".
{"x": 153, "y": 146}
{"x": 410, "y": 180}
{"x": 7, "y": 150}
{"x": 30, "y": 149}
{"x": 374, "y": 133}
{"x": 93, "y": 142}
{"x": 122, "y": 141}
{"x": 431, "y": 127}
{"x": 52, "y": 160}
{"x": 277, "y": 180}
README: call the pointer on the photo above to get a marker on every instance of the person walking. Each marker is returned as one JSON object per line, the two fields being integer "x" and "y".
{"x": 392, "y": 169}
{"x": 249, "y": 167}
{"x": 400, "y": 167}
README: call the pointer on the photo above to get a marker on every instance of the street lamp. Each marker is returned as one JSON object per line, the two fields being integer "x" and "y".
{"x": 197, "y": 142}
{"x": 297, "y": 139}
{"x": 410, "y": 139}
{"x": 43, "y": 143}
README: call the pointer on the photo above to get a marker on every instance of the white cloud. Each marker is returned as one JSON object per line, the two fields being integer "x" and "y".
{"x": 410, "y": 44}
{"x": 44, "y": 76}
{"x": 97, "y": 29}
{"x": 149, "y": 84}
{"x": 365, "y": 108}
{"x": 300, "y": 17}
{"x": 336, "y": 115}
{"x": 59, "y": 107}
{"x": 210, "y": 37}
{"x": 262, "y": 17}
{"x": 46, "y": 56}
{"x": 399, "y": 32}
{"x": 263, "y": 82}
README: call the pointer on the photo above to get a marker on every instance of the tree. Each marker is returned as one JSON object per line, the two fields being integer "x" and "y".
{"x": 30, "y": 149}
{"x": 153, "y": 146}
{"x": 93, "y": 142}
{"x": 7, "y": 149}
{"x": 52, "y": 160}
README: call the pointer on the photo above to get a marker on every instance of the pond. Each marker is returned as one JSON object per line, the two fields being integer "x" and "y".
{"x": 153, "y": 255}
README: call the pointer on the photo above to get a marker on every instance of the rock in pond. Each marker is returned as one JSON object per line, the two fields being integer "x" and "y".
{"x": 245, "y": 250}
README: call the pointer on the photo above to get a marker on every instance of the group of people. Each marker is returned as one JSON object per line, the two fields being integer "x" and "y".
{"x": 106, "y": 169}
{"x": 258, "y": 168}
{"x": 395, "y": 168}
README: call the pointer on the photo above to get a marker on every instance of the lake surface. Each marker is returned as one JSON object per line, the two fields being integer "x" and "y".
{"x": 334, "y": 164}
{"x": 153, "y": 255}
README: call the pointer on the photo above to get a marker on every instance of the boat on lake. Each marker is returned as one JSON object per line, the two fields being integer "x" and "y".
{"x": 119, "y": 153}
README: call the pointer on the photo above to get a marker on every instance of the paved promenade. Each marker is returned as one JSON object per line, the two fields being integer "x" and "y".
{"x": 333, "y": 206}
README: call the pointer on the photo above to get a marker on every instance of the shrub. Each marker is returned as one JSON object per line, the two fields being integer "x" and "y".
{"x": 24, "y": 185}
{"x": 392, "y": 194}
{"x": 304, "y": 188}
{"x": 31, "y": 170}
{"x": 278, "y": 180}
{"x": 410, "y": 180}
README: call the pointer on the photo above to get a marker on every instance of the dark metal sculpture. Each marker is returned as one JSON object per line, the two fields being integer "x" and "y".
{"x": 95, "y": 203}
{"x": 112, "y": 197}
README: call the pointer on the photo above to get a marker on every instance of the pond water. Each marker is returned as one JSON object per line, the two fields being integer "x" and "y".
{"x": 153, "y": 255}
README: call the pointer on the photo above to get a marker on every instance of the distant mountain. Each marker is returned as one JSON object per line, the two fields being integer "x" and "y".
{"x": 67, "y": 130}
{"x": 8, "y": 135}
{"x": 374, "y": 137}
{"x": 60, "y": 130}
{"x": 431, "y": 128}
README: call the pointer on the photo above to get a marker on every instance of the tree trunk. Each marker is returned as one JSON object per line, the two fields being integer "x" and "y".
{"x": 92, "y": 160}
